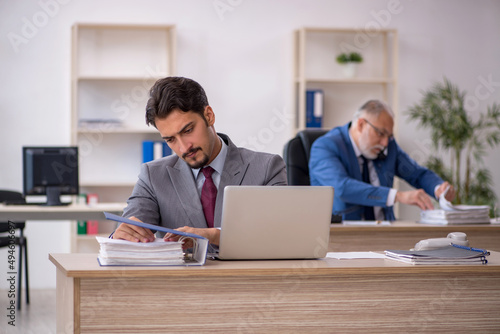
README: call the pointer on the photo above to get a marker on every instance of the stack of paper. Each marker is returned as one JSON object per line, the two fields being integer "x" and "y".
{"x": 474, "y": 215}
{"x": 123, "y": 252}
{"x": 452, "y": 254}
{"x": 450, "y": 214}
{"x": 169, "y": 256}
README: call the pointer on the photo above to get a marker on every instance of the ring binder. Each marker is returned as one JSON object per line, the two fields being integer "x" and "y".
{"x": 200, "y": 244}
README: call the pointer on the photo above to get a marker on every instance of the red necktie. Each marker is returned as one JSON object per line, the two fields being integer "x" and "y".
{"x": 208, "y": 196}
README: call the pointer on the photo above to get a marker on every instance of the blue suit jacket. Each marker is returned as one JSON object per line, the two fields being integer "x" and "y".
{"x": 334, "y": 163}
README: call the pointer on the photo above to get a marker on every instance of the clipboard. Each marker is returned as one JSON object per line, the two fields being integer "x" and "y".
{"x": 200, "y": 244}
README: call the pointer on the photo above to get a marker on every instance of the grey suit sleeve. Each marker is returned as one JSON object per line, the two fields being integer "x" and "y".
{"x": 276, "y": 172}
{"x": 143, "y": 203}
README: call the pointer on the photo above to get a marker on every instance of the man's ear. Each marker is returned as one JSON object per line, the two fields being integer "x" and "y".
{"x": 209, "y": 115}
{"x": 360, "y": 123}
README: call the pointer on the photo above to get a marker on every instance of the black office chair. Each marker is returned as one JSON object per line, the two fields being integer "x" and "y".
{"x": 296, "y": 155}
{"x": 21, "y": 241}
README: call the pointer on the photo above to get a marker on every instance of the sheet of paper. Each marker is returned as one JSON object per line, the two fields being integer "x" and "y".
{"x": 495, "y": 220}
{"x": 354, "y": 255}
{"x": 366, "y": 222}
{"x": 446, "y": 205}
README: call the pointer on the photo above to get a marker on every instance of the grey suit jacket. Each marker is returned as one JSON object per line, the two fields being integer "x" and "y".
{"x": 166, "y": 194}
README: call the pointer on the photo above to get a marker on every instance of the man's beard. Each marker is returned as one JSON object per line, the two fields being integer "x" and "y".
{"x": 199, "y": 164}
{"x": 368, "y": 152}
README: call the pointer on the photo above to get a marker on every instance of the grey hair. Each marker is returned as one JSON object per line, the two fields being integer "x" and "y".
{"x": 373, "y": 107}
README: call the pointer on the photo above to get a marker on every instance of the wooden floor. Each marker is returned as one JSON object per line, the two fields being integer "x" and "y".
{"x": 37, "y": 317}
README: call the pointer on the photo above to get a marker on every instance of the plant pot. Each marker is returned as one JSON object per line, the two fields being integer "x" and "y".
{"x": 349, "y": 70}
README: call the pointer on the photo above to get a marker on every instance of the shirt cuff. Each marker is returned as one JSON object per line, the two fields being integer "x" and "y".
{"x": 436, "y": 188}
{"x": 391, "y": 198}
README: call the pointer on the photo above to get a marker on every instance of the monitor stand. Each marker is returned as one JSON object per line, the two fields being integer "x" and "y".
{"x": 53, "y": 196}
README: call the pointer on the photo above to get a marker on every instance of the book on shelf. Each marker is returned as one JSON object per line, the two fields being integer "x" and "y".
{"x": 92, "y": 225}
{"x": 81, "y": 228}
{"x": 450, "y": 214}
{"x": 158, "y": 253}
{"x": 154, "y": 149}
{"x": 314, "y": 108}
{"x": 99, "y": 124}
{"x": 451, "y": 254}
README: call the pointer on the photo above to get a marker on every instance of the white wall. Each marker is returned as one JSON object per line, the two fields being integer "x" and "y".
{"x": 243, "y": 57}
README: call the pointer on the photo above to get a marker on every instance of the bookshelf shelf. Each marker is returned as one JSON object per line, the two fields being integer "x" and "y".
{"x": 121, "y": 78}
{"x": 106, "y": 184}
{"x": 348, "y": 81}
{"x": 118, "y": 131}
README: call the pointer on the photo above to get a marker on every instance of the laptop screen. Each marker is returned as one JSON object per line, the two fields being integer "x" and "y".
{"x": 280, "y": 222}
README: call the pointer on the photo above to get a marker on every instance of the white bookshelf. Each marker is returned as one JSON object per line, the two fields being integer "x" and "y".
{"x": 113, "y": 68}
{"x": 315, "y": 67}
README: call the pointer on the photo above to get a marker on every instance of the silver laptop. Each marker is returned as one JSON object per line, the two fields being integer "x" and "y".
{"x": 280, "y": 222}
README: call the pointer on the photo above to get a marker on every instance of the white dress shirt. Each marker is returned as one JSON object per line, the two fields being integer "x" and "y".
{"x": 217, "y": 164}
{"x": 374, "y": 180}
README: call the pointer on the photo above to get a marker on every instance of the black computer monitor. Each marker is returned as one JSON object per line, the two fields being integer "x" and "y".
{"x": 50, "y": 171}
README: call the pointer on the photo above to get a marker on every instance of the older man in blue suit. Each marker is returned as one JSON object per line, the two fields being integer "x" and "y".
{"x": 360, "y": 160}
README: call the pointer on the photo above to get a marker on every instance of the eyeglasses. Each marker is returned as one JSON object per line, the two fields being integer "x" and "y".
{"x": 379, "y": 132}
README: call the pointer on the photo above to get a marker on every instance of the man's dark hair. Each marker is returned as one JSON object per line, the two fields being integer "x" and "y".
{"x": 172, "y": 93}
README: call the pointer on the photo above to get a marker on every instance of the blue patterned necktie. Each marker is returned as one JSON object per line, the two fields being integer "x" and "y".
{"x": 369, "y": 215}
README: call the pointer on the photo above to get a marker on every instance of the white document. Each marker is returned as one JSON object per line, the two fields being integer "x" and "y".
{"x": 446, "y": 205}
{"x": 354, "y": 255}
{"x": 366, "y": 222}
{"x": 199, "y": 254}
{"x": 450, "y": 214}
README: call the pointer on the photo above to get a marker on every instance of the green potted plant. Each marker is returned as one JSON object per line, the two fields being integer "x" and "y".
{"x": 453, "y": 131}
{"x": 349, "y": 61}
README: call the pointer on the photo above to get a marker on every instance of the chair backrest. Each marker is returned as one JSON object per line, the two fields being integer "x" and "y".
{"x": 296, "y": 155}
{"x": 9, "y": 195}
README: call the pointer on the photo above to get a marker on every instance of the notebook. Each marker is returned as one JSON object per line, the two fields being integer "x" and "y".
{"x": 282, "y": 222}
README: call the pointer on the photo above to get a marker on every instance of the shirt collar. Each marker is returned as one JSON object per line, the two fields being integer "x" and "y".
{"x": 218, "y": 163}
{"x": 357, "y": 151}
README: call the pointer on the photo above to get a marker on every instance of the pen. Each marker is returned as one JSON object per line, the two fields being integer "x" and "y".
{"x": 484, "y": 251}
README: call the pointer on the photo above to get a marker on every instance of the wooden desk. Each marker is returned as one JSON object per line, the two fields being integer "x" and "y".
{"x": 327, "y": 296}
{"x": 404, "y": 235}
{"x": 66, "y": 212}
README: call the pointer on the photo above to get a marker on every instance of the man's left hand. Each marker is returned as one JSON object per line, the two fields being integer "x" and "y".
{"x": 212, "y": 234}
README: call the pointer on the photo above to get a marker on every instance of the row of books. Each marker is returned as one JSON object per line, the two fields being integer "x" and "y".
{"x": 154, "y": 149}
{"x": 314, "y": 108}
{"x": 88, "y": 226}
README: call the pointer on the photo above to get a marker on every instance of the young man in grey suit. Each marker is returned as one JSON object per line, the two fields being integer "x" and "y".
{"x": 169, "y": 191}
